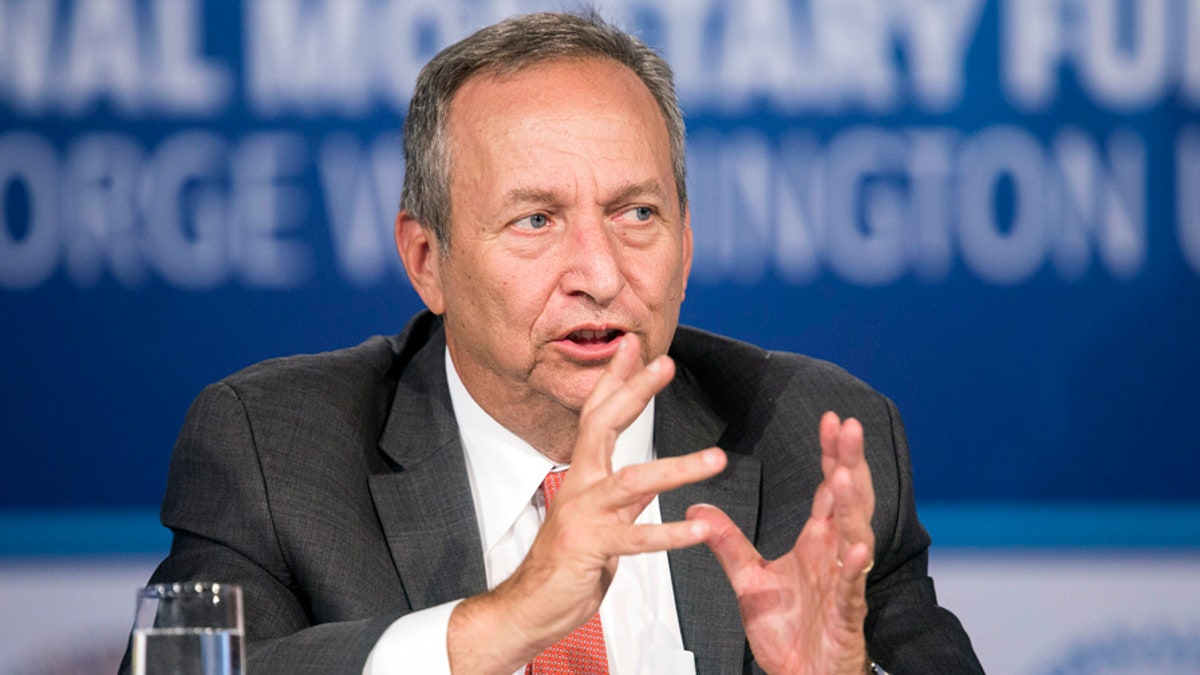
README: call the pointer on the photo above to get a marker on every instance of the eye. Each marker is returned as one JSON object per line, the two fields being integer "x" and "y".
{"x": 641, "y": 214}
{"x": 533, "y": 222}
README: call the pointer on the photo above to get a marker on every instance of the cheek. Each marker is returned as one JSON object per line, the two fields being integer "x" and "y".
{"x": 525, "y": 294}
{"x": 659, "y": 281}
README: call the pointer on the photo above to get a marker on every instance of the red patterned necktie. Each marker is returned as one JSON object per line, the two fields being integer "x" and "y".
{"x": 582, "y": 652}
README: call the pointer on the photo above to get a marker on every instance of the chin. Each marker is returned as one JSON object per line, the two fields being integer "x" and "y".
{"x": 574, "y": 392}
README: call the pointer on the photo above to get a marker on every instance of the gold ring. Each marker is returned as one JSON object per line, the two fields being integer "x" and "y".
{"x": 870, "y": 565}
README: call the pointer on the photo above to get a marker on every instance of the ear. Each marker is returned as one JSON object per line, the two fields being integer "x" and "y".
{"x": 419, "y": 252}
{"x": 687, "y": 250}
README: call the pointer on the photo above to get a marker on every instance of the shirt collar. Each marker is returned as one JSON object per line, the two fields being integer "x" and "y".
{"x": 506, "y": 472}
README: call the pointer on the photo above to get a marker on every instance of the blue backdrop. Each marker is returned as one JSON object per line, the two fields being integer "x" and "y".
{"x": 988, "y": 210}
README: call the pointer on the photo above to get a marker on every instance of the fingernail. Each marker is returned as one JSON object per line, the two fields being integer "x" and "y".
{"x": 712, "y": 457}
{"x": 654, "y": 366}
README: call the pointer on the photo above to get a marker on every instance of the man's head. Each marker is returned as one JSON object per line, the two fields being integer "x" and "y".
{"x": 505, "y": 48}
{"x": 564, "y": 223}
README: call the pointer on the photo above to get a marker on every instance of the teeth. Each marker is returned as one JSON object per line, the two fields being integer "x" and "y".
{"x": 588, "y": 335}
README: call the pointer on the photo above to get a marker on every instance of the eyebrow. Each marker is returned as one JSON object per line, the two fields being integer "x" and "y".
{"x": 627, "y": 192}
{"x": 528, "y": 195}
{"x": 531, "y": 195}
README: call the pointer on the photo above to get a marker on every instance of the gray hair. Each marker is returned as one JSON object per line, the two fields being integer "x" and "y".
{"x": 505, "y": 48}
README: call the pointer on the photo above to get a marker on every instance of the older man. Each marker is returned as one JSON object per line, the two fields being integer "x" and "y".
{"x": 520, "y": 480}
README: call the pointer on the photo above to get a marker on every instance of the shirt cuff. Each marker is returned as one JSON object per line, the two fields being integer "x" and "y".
{"x": 416, "y": 642}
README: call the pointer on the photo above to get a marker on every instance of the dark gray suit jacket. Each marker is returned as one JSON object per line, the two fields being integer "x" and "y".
{"x": 333, "y": 488}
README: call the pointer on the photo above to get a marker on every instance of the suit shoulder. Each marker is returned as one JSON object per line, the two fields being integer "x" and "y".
{"x": 370, "y": 360}
{"x": 716, "y": 358}
{"x": 375, "y": 360}
{"x": 348, "y": 390}
{"x": 342, "y": 392}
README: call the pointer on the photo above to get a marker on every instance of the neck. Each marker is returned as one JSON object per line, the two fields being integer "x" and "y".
{"x": 545, "y": 424}
{"x": 550, "y": 432}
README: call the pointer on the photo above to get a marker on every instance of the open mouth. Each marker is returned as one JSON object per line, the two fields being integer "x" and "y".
{"x": 594, "y": 337}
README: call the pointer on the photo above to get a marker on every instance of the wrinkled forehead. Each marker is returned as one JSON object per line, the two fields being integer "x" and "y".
{"x": 541, "y": 68}
{"x": 560, "y": 105}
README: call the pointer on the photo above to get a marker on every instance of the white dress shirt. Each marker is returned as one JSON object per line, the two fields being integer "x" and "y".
{"x": 641, "y": 627}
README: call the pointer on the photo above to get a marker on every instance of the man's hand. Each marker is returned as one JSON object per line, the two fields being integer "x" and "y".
{"x": 804, "y": 611}
{"x": 568, "y": 569}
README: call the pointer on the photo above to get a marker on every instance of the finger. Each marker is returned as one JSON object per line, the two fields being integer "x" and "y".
{"x": 733, "y": 550}
{"x": 850, "y": 600}
{"x": 853, "y": 504}
{"x": 855, "y": 459}
{"x": 849, "y": 443}
{"x": 851, "y": 457}
{"x": 829, "y": 427}
{"x": 619, "y": 368}
{"x": 851, "y": 512}
{"x": 635, "y": 539}
{"x": 822, "y": 506}
{"x": 635, "y": 485}
{"x": 853, "y": 496}
{"x": 600, "y": 425}
{"x": 856, "y": 563}
{"x": 820, "y": 521}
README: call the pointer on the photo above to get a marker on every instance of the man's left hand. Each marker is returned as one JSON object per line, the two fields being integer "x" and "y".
{"x": 804, "y": 612}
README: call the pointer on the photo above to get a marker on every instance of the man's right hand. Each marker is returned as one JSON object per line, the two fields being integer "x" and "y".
{"x": 572, "y": 561}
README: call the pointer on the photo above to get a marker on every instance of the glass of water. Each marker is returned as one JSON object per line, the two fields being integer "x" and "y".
{"x": 189, "y": 628}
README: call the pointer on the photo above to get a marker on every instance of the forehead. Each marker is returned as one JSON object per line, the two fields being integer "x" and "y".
{"x": 578, "y": 115}
{"x": 578, "y": 75}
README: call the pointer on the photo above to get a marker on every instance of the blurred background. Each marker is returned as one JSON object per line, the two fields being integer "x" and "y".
{"x": 988, "y": 209}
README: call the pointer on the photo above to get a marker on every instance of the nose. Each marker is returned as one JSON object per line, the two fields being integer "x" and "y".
{"x": 593, "y": 261}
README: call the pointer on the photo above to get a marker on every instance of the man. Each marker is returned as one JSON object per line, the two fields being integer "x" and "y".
{"x": 381, "y": 505}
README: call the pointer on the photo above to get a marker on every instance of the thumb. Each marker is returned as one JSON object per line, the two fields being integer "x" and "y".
{"x": 733, "y": 550}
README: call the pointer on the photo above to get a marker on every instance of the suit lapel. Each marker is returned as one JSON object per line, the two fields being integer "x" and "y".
{"x": 424, "y": 503}
{"x": 708, "y": 611}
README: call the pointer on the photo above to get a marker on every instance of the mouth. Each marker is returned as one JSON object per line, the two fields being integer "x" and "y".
{"x": 594, "y": 337}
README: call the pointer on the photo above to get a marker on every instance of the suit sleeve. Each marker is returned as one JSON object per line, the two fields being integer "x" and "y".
{"x": 218, "y": 508}
{"x": 906, "y": 630}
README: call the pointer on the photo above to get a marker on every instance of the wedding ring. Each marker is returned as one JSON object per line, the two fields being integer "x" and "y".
{"x": 870, "y": 566}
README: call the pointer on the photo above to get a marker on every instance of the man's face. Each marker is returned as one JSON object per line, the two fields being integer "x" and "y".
{"x": 566, "y": 231}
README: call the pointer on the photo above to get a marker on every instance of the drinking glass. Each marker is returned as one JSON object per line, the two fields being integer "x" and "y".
{"x": 189, "y": 628}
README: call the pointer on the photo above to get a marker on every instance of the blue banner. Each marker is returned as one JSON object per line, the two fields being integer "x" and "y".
{"x": 988, "y": 210}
